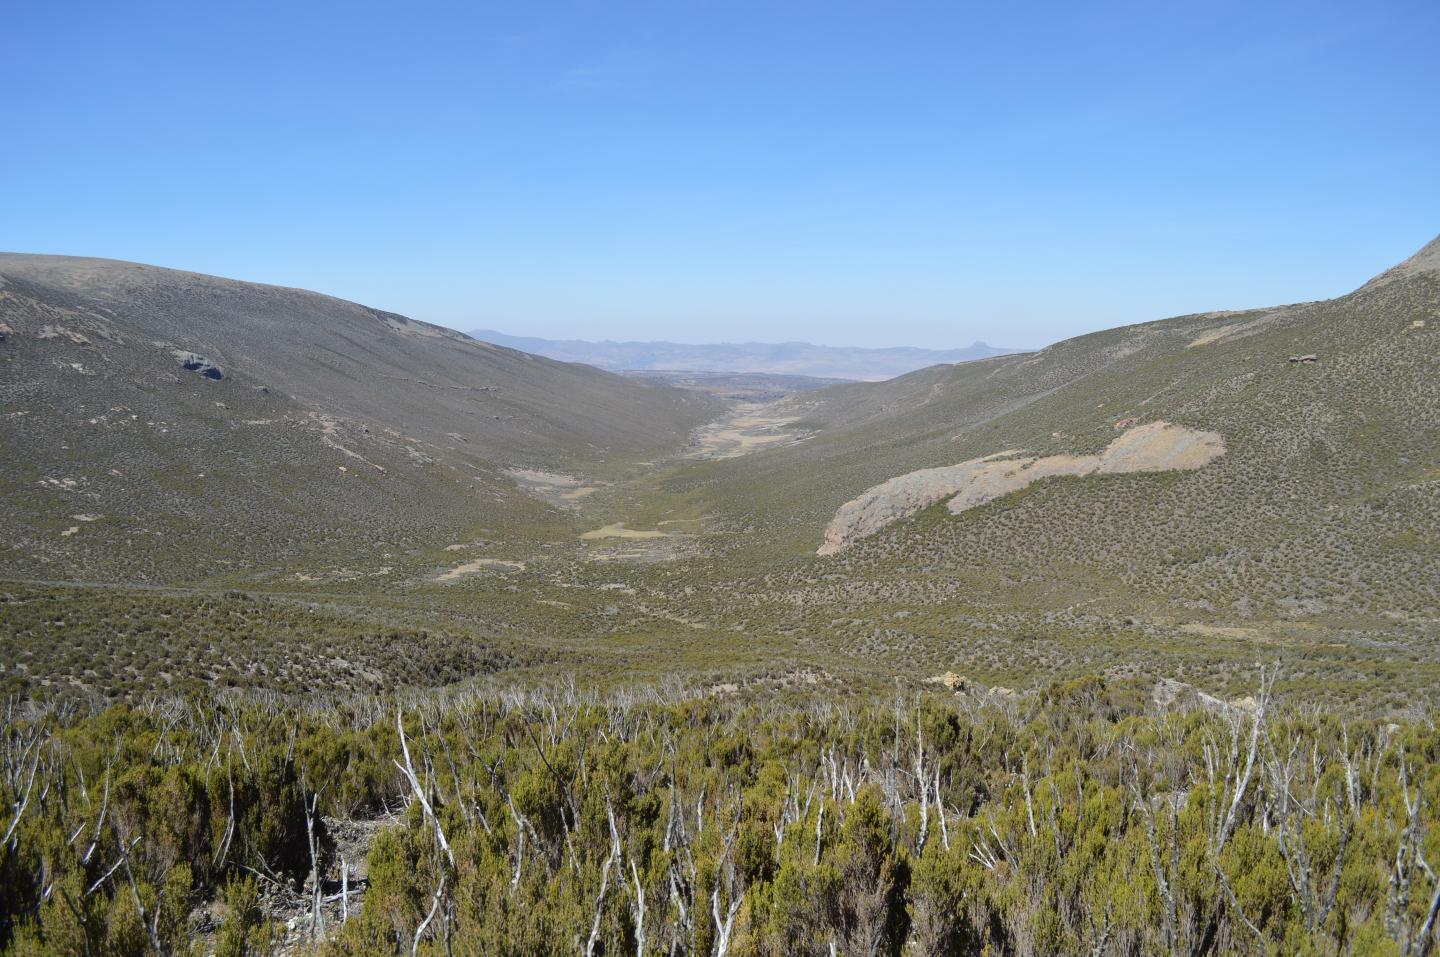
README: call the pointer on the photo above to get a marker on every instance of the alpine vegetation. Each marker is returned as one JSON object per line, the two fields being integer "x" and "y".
{"x": 554, "y": 822}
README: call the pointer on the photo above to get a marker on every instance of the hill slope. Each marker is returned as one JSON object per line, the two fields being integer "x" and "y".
{"x": 161, "y": 424}
{"x": 1178, "y": 498}
{"x": 779, "y": 358}
{"x": 1324, "y": 504}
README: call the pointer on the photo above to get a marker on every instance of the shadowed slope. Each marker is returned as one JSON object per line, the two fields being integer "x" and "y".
{"x": 208, "y": 424}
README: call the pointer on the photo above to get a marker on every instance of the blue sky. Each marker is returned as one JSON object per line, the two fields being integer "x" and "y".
{"x": 871, "y": 174}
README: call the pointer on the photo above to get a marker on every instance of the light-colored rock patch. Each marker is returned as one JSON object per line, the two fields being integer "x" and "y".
{"x": 899, "y": 498}
{"x": 479, "y": 564}
{"x": 951, "y": 680}
{"x": 329, "y": 428}
{"x": 1153, "y": 447}
{"x": 1161, "y": 447}
{"x": 537, "y": 477}
{"x": 1171, "y": 695}
{"x": 60, "y": 332}
{"x": 1011, "y": 475}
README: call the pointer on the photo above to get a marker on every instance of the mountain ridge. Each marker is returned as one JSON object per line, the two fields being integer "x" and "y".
{"x": 856, "y": 363}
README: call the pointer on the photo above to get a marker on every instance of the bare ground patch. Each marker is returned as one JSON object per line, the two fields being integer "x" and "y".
{"x": 553, "y": 488}
{"x": 749, "y": 427}
{"x": 479, "y": 565}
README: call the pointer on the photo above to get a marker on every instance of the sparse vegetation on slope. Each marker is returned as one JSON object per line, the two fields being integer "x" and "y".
{"x": 329, "y": 429}
{"x": 1324, "y": 506}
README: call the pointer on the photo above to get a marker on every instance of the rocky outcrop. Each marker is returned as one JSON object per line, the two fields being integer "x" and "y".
{"x": 1153, "y": 447}
{"x": 192, "y": 362}
{"x": 901, "y": 497}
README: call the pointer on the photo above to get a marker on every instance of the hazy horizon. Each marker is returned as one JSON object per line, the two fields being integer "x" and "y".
{"x": 680, "y": 341}
{"x": 926, "y": 177}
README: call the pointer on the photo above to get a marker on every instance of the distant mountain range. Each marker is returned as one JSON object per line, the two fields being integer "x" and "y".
{"x": 787, "y": 358}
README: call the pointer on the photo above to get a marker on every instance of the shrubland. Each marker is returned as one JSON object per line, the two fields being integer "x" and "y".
{"x": 1078, "y": 819}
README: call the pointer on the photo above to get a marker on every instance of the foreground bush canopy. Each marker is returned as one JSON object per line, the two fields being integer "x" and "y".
{"x": 550, "y": 822}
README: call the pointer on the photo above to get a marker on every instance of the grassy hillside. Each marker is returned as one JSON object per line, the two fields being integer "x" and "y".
{"x": 1327, "y": 500}
{"x": 161, "y": 426}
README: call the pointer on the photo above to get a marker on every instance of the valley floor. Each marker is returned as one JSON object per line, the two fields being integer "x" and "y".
{"x": 638, "y": 578}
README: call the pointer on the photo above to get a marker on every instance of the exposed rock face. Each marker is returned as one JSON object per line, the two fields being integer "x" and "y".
{"x": 1160, "y": 447}
{"x": 191, "y": 362}
{"x": 1153, "y": 447}
{"x": 901, "y": 497}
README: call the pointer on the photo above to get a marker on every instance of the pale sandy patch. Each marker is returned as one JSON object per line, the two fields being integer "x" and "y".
{"x": 342, "y": 575}
{"x": 747, "y": 428}
{"x": 556, "y": 488}
{"x": 537, "y": 477}
{"x": 477, "y": 565}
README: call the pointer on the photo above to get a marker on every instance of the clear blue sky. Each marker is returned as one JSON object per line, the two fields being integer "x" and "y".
{"x": 850, "y": 173}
